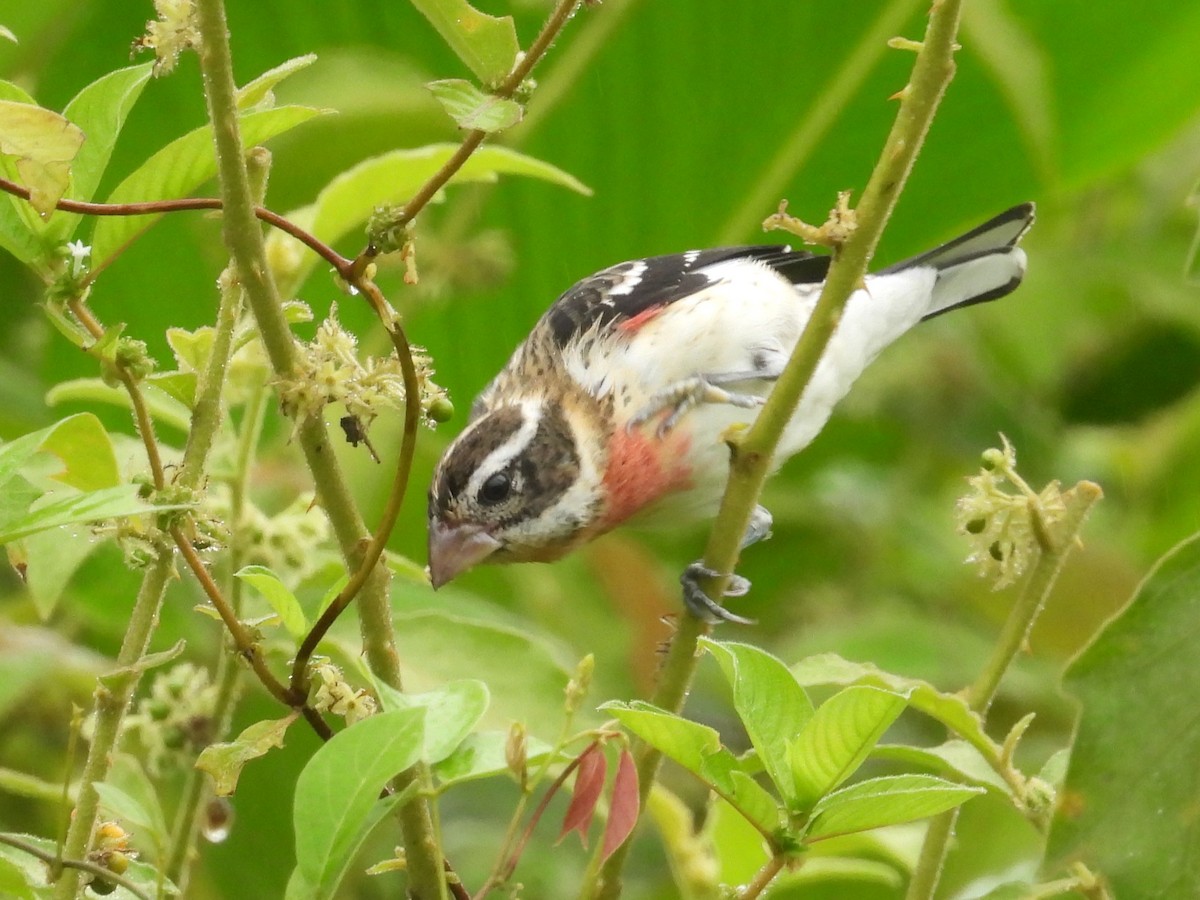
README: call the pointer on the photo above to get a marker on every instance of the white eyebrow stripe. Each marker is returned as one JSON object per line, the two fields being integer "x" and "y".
{"x": 531, "y": 418}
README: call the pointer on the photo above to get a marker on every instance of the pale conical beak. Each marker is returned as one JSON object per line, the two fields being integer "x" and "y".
{"x": 455, "y": 548}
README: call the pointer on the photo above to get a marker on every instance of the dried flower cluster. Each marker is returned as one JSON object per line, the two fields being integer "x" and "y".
{"x": 329, "y": 372}
{"x": 170, "y": 34}
{"x": 1004, "y": 519}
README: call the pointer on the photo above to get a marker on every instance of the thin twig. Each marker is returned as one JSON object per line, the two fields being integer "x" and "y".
{"x": 554, "y": 24}
{"x": 763, "y": 878}
{"x": 82, "y": 865}
{"x": 243, "y": 640}
{"x": 185, "y": 204}
{"x": 536, "y": 817}
{"x": 387, "y": 521}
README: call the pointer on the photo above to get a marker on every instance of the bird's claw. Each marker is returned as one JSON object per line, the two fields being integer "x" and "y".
{"x": 702, "y": 606}
{"x": 685, "y": 395}
{"x": 759, "y": 528}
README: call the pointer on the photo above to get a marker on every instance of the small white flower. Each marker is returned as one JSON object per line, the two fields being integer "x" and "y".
{"x": 79, "y": 253}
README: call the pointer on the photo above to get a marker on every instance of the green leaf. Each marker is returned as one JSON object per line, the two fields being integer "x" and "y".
{"x": 956, "y": 759}
{"x": 257, "y": 94}
{"x": 949, "y": 709}
{"x": 885, "y": 801}
{"x": 737, "y": 846}
{"x": 487, "y": 44}
{"x": 698, "y": 749}
{"x": 14, "y": 882}
{"x": 1130, "y": 796}
{"x": 178, "y": 168}
{"x": 688, "y": 743}
{"x": 349, "y": 200}
{"x": 129, "y": 794}
{"x": 753, "y": 802}
{"x": 482, "y": 754}
{"x": 86, "y": 452}
{"x": 44, "y": 145}
{"x": 437, "y": 647}
{"x": 1021, "y": 69}
{"x": 837, "y": 739}
{"x": 410, "y": 570}
{"x": 337, "y": 795}
{"x": 110, "y": 503}
{"x": 164, "y": 408}
{"x": 19, "y": 225}
{"x": 99, "y": 110}
{"x": 117, "y": 678}
{"x": 472, "y": 109}
{"x": 278, "y": 595}
{"x": 224, "y": 762}
{"x": 83, "y": 449}
{"x": 770, "y": 702}
{"x": 451, "y": 712}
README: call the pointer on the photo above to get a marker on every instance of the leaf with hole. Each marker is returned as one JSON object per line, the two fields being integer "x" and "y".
{"x": 224, "y": 762}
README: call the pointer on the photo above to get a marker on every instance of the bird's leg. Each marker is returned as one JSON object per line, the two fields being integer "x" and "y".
{"x": 698, "y": 602}
{"x": 687, "y": 393}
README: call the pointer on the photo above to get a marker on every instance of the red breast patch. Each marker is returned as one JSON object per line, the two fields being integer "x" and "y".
{"x": 642, "y": 468}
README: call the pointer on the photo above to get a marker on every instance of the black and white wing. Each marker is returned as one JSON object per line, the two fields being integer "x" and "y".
{"x": 630, "y": 291}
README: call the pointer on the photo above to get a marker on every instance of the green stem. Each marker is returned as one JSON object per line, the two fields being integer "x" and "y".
{"x": 762, "y": 878}
{"x": 206, "y": 420}
{"x": 245, "y": 243}
{"x": 111, "y": 702}
{"x": 751, "y": 463}
{"x": 1013, "y": 637}
{"x": 1024, "y": 613}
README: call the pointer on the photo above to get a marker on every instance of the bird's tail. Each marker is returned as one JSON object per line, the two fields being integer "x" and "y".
{"x": 983, "y": 264}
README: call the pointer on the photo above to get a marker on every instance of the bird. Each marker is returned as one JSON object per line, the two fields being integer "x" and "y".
{"x": 616, "y": 408}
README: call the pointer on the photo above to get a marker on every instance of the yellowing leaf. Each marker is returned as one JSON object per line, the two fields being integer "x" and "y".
{"x": 224, "y": 762}
{"x": 44, "y": 144}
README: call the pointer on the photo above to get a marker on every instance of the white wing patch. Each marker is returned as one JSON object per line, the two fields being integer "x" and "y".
{"x": 627, "y": 285}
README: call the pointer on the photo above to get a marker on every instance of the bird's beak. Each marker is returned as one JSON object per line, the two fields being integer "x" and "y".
{"x": 455, "y": 548}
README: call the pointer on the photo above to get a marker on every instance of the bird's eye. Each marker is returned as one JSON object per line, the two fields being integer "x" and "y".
{"x": 495, "y": 489}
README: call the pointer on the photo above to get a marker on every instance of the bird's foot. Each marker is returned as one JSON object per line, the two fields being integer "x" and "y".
{"x": 696, "y": 599}
{"x": 684, "y": 395}
{"x": 702, "y": 606}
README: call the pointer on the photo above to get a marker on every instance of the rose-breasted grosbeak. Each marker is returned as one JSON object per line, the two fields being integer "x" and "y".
{"x": 615, "y": 406}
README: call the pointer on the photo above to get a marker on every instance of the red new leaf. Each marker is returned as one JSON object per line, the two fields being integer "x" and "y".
{"x": 589, "y": 782}
{"x": 624, "y": 808}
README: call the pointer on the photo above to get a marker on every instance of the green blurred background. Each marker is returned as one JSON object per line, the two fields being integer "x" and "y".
{"x": 689, "y": 121}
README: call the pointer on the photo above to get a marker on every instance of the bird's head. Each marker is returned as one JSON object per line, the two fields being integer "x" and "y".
{"x": 515, "y": 486}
